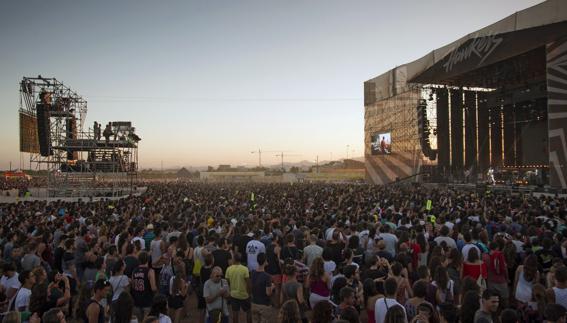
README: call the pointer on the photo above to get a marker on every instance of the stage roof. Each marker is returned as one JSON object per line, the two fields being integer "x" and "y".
{"x": 517, "y": 34}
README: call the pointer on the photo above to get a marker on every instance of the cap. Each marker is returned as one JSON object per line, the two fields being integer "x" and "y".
{"x": 150, "y": 226}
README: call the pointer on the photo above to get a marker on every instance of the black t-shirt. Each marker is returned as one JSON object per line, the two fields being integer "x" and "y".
{"x": 221, "y": 258}
{"x": 241, "y": 241}
{"x": 58, "y": 258}
{"x": 205, "y": 274}
{"x": 337, "y": 251}
{"x": 260, "y": 281}
{"x": 131, "y": 263}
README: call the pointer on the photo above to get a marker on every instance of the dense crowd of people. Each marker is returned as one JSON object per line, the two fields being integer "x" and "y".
{"x": 21, "y": 183}
{"x": 286, "y": 253}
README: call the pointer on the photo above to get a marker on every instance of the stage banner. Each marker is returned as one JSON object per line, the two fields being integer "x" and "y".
{"x": 557, "y": 112}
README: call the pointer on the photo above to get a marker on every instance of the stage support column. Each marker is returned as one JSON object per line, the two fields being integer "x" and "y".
{"x": 557, "y": 112}
{"x": 470, "y": 132}
{"x": 443, "y": 142}
{"x": 509, "y": 136}
{"x": 496, "y": 136}
{"x": 483, "y": 137}
{"x": 457, "y": 131}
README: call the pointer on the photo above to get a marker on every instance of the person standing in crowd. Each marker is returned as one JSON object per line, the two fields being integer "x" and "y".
{"x": 262, "y": 290}
{"x": 253, "y": 248}
{"x": 21, "y": 300}
{"x": 489, "y": 306}
{"x": 143, "y": 286}
{"x": 319, "y": 281}
{"x": 383, "y": 304}
{"x": 118, "y": 280}
{"x": 159, "y": 309}
{"x": 289, "y": 312}
{"x": 558, "y": 293}
{"x": 95, "y": 312}
{"x": 312, "y": 251}
{"x": 216, "y": 293}
{"x": 238, "y": 279}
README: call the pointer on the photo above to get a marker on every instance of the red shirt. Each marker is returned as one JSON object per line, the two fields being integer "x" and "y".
{"x": 475, "y": 270}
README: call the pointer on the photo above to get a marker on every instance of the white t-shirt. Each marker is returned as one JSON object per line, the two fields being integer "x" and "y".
{"x": 253, "y": 248}
{"x": 142, "y": 242}
{"x": 329, "y": 267}
{"x": 467, "y": 248}
{"x": 164, "y": 318}
{"x": 11, "y": 282}
{"x": 448, "y": 240}
{"x": 23, "y": 298}
{"x": 118, "y": 283}
{"x": 381, "y": 307}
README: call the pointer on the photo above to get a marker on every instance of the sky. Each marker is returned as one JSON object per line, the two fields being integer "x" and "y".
{"x": 207, "y": 82}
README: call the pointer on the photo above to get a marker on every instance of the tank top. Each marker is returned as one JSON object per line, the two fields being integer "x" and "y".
{"x": 141, "y": 288}
{"x": 524, "y": 289}
{"x": 273, "y": 267}
{"x": 320, "y": 288}
{"x": 560, "y": 296}
{"x": 289, "y": 291}
{"x": 100, "y": 311}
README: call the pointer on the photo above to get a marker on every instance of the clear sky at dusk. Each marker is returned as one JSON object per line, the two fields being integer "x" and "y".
{"x": 207, "y": 82}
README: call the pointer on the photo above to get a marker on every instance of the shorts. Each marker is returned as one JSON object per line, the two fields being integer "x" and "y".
{"x": 237, "y": 304}
{"x": 263, "y": 314}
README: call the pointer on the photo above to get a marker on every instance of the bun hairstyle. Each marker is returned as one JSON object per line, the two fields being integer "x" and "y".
{"x": 290, "y": 270}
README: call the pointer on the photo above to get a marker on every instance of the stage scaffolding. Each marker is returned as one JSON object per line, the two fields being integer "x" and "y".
{"x": 78, "y": 161}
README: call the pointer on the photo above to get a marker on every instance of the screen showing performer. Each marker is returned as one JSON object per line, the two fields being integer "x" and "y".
{"x": 381, "y": 144}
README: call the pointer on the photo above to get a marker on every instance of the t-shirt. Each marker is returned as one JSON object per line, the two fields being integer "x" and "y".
{"x": 23, "y": 299}
{"x": 467, "y": 248}
{"x": 164, "y": 318}
{"x": 236, "y": 276}
{"x": 212, "y": 288}
{"x": 381, "y": 307}
{"x": 480, "y": 314}
{"x": 253, "y": 248}
{"x": 10, "y": 282}
{"x": 260, "y": 281}
{"x": 448, "y": 240}
{"x": 391, "y": 241}
{"x": 131, "y": 263}
{"x": 221, "y": 258}
{"x": 118, "y": 283}
{"x": 311, "y": 252}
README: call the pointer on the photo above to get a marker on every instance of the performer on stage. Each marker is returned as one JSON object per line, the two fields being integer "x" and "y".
{"x": 491, "y": 176}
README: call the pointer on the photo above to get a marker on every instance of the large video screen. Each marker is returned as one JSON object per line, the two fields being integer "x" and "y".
{"x": 381, "y": 143}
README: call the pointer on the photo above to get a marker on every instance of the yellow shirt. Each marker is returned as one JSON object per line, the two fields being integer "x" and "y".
{"x": 236, "y": 276}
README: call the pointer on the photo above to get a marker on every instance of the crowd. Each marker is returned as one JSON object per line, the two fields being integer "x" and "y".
{"x": 286, "y": 253}
{"x": 21, "y": 184}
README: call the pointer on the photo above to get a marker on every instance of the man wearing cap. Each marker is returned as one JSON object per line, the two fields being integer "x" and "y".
{"x": 95, "y": 312}
{"x": 149, "y": 235}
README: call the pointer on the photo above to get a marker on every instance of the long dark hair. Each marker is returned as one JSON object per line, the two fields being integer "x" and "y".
{"x": 122, "y": 309}
{"x": 159, "y": 305}
{"x": 471, "y": 303}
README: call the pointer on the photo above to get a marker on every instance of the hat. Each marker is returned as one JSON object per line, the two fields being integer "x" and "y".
{"x": 150, "y": 226}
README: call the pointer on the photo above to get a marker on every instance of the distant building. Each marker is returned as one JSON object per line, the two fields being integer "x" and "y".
{"x": 183, "y": 173}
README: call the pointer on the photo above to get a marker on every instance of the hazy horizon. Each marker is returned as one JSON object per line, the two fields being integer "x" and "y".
{"x": 206, "y": 83}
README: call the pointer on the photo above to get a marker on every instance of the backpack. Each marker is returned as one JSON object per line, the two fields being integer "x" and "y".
{"x": 165, "y": 278}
